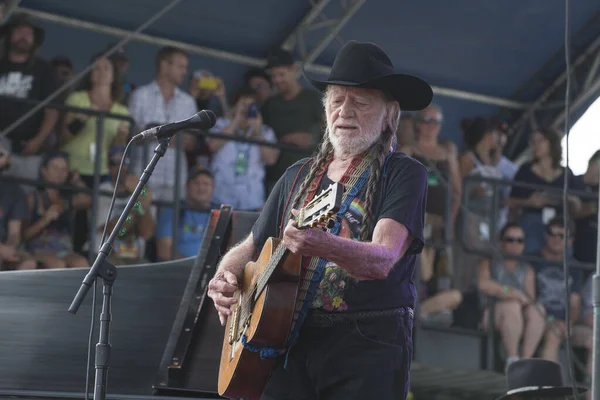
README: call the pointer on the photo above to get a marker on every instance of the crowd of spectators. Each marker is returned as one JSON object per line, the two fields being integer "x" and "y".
{"x": 46, "y": 226}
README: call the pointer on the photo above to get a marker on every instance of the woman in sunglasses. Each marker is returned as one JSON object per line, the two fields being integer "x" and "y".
{"x": 509, "y": 286}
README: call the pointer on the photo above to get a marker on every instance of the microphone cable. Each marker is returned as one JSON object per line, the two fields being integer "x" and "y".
{"x": 95, "y": 288}
{"x": 566, "y": 217}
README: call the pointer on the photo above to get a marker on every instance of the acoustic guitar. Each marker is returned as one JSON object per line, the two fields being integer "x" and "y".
{"x": 264, "y": 311}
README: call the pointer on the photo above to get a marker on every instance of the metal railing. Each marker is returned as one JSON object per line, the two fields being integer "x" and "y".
{"x": 493, "y": 250}
{"x": 140, "y": 153}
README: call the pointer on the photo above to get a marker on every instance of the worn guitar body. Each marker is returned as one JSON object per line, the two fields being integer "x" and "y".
{"x": 266, "y": 304}
{"x": 242, "y": 374}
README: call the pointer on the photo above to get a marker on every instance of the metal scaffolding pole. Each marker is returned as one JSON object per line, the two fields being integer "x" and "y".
{"x": 592, "y": 72}
{"x": 242, "y": 59}
{"x": 333, "y": 32}
{"x": 123, "y": 40}
{"x": 539, "y": 102}
{"x": 9, "y": 7}
{"x": 584, "y": 97}
{"x": 304, "y": 25}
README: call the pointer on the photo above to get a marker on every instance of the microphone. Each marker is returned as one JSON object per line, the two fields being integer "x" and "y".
{"x": 204, "y": 120}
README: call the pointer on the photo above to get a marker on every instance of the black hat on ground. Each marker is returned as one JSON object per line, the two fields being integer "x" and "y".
{"x": 534, "y": 377}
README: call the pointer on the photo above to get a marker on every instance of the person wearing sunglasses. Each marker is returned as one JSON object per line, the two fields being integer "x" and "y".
{"x": 441, "y": 160}
{"x": 509, "y": 286}
{"x": 550, "y": 284}
{"x": 13, "y": 210}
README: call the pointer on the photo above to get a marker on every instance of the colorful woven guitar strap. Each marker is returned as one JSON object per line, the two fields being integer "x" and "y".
{"x": 354, "y": 180}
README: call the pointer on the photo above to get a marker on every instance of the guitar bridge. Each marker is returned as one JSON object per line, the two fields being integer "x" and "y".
{"x": 234, "y": 326}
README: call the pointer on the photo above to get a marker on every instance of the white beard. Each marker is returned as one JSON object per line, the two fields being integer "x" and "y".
{"x": 352, "y": 146}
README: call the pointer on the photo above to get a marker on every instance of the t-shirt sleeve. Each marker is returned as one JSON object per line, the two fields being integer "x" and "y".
{"x": 19, "y": 211}
{"x": 75, "y": 100}
{"x": 136, "y": 108}
{"x": 269, "y": 134}
{"x": 405, "y": 198}
{"x": 219, "y": 125}
{"x": 578, "y": 280}
{"x": 164, "y": 227}
{"x": 265, "y": 112}
{"x": 267, "y": 224}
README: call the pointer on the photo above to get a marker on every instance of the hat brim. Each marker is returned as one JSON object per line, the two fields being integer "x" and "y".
{"x": 559, "y": 391}
{"x": 411, "y": 92}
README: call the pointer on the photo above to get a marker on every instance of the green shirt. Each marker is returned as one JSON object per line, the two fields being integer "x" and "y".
{"x": 82, "y": 147}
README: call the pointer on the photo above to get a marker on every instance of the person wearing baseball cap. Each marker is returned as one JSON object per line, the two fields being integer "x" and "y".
{"x": 295, "y": 113}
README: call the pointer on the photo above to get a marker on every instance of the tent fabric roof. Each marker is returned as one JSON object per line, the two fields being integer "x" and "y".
{"x": 489, "y": 47}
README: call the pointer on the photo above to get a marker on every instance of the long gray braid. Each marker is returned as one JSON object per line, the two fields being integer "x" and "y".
{"x": 385, "y": 144}
{"x": 379, "y": 150}
{"x": 323, "y": 155}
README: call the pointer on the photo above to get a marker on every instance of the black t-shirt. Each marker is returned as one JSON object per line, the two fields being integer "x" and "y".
{"x": 33, "y": 80}
{"x": 13, "y": 207}
{"x": 303, "y": 113}
{"x": 586, "y": 229}
{"x": 401, "y": 196}
{"x": 526, "y": 175}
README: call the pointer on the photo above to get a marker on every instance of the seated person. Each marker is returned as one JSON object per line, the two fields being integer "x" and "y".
{"x": 436, "y": 304}
{"x": 550, "y": 286}
{"x": 49, "y": 230}
{"x": 583, "y": 331}
{"x": 128, "y": 248}
{"x": 511, "y": 284}
{"x": 13, "y": 210}
{"x": 191, "y": 222}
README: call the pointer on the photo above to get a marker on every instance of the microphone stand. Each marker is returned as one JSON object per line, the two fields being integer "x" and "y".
{"x": 596, "y": 318}
{"x": 108, "y": 273}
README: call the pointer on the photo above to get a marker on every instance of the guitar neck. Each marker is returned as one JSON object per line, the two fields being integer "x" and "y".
{"x": 276, "y": 257}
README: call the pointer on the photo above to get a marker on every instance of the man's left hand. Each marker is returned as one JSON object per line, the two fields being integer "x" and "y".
{"x": 306, "y": 242}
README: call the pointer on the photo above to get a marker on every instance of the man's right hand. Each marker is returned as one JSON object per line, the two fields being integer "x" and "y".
{"x": 221, "y": 289}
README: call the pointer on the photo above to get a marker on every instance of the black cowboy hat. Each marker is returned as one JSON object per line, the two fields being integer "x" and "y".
{"x": 20, "y": 20}
{"x": 365, "y": 65}
{"x": 534, "y": 377}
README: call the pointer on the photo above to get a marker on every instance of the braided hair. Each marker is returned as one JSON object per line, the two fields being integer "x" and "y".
{"x": 385, "y": 144}
{"x": 323, "y": 156}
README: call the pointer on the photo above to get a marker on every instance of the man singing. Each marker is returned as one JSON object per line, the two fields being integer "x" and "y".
{"x": 352, "y": 333}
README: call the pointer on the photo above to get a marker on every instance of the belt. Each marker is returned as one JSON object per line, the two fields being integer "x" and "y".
{"x": 323, "y": 319}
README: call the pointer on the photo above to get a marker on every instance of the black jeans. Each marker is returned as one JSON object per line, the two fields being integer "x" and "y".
{"x": 366, "y": 358}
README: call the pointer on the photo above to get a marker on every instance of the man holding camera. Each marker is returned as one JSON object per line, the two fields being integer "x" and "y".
{"x": 239, "y": 168}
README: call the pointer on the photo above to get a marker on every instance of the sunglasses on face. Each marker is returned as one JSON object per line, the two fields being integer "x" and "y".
{"x": 556, "y": 234}
{"x": 512, "y": 239}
